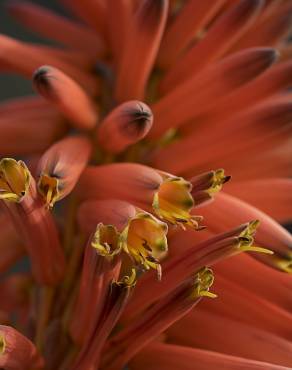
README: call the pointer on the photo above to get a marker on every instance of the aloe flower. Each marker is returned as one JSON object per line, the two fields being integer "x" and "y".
{"x": 146, "y": 182}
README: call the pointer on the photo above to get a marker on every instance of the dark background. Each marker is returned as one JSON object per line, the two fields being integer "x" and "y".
{"x": 11, "y": 85}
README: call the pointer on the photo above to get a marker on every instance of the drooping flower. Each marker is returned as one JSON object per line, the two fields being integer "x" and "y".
{"x": 115, "y": 198}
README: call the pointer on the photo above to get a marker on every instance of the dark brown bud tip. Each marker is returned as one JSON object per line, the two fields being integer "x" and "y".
{"x": 41, "y": 80}
{"x": 140, "y": 120}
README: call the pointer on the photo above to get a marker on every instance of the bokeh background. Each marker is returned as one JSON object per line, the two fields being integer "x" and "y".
{"x": 11, "y": 85}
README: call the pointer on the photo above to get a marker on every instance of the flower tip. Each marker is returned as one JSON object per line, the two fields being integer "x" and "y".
{"x": 226, "y": 179}
{"x": 41, "y": 81}
{"x": 204, "y": 279}
{"x": 206, "y": 185}
{"x": 246, "y": 239}
{"x": 218, "y": 180}
{"x": 137, "y": 119}
{"x": 106, "y": 240}
{"x": 128, "y": 280}
{"x": 48, "y": 187}
{"x": 40, "y": 76}
{"x": 272, "y": 55}
{"x": 142, "y": 113}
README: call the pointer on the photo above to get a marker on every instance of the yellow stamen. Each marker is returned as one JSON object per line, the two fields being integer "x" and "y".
{"x": 203, "y": 281}
{"x": 282, "y": 263}
{"x": 128, "y": 280}
{"x": 144, "y": 240}
{"x": 173, "y": 202}
{"x": 14, "y": 179}
{"x": 217, "y": 182}
{"x": 106, "y": 240}
{"x": 246, "y": 239}
{"x": 48, "y": 187}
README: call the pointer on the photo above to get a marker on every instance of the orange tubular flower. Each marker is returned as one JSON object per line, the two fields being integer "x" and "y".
{"x": 136, "y": 232}
{"x": 60, "y": 167}
{"x": 19, "y": 198}
{"x": 167, "y": 195}
{"x": 158, "y": 318}
{"x": 59, "y": 89}
{"x": 153, "y": 120}
{"x": 127, "y": 124}
{"x": 270, "y": 235}
{"x": 141, "y": 45}
{"x": 97, "y": 275}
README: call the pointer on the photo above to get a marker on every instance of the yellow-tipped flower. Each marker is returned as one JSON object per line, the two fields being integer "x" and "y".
{"x": 173, "y": 202}
{"x": 144, "y": 240}
{"x": 168, "y": 196}
{"x": 136, "y": 233}
{"x": 106, "y": 240}
{"x": 14, "y": 179}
